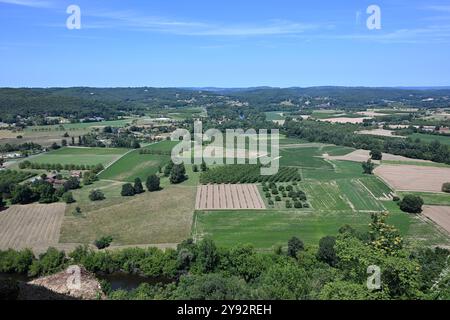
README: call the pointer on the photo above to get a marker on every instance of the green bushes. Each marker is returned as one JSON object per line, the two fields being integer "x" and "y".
{"x": 10, "y": 178}
{"x": 16, "y": 261}
{"x": 411, "y": 204}
{"x": 103, "y": 242}
{"x": 153, "y": 183}
{"x": 68, "y": 198}
{"x": 446, "y": 187}
{"x": 138, "y": 188}
{"x": 48, "y": 263}
{"x": 247, "y": 173}
{"x": 96, "y": 195}
{"x": 127, "y": 190}
{"x": 177, "y": 174}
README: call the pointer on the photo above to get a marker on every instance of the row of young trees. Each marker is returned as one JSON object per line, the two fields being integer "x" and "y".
{"x": 59, "y": 167}
{"x": 335, "y": 269}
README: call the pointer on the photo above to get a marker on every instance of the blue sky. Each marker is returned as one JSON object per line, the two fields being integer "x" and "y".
{"x": 175, "y": 43}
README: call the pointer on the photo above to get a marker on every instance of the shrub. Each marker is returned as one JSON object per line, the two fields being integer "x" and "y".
{"x": 68, "y": 198}
{"x": 306, "y": 205}
{"x": 152, "y": 183}
{"x": 265, "y": 189}
{"x": 178, "y": 174}
{"x": 138, "y": 188}
{"x": 446, "y": 187}
{"x": 195, "y": 168}
{"x": 294, "y": 246}
{"x": 288, "y": 204}
{"x": 268, "y": 195}
{"x": 103, "y": 242}
{"x": 127, "y": 190}
{"x": 71, "y": 184}
{"x": 275, "y": 191}
{"x": 277, "y": 198}
{"x": 376, "y": 155}
{"x": 270, "y": 202}
{"x": 281, "y": 188}
{"x": 411, "y": 204}
{"x": 368, "y": 167}
{"x": 96, "y": 195}
{"x": 89, "y": 178}
{"x": 297, "y": 204}
{"x": 289, "y": 188}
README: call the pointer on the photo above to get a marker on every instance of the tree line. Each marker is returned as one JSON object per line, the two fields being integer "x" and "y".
{"x": 344, "y": 135}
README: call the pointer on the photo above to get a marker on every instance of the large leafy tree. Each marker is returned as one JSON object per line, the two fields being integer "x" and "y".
{"x": 368, "y": 167}
{"x": 326, "y": 252}
{"x": 411, "y": 204}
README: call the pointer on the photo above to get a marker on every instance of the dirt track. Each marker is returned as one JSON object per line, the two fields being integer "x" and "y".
{"x": 228, "y": 196}
{"x": 414, "y": 178}
{"x": 31, "y": 226}
{"x": 439, "y": 214}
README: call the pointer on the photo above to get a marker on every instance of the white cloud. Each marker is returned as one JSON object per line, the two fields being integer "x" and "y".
{"x": 129, "y": 20}
{"x": 28, "y": 3}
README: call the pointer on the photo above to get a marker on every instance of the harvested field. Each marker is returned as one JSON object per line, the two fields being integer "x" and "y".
{"x": 362, "y": 155}
{"x": 372, "y": 113}
{"x": 31, "y": 226}
{"x": 345, "y": 120}
{"x": 380, "y": 132}
{"x": 439, "y": 214}
{"x": 413, "y": 178}
{"x": 228, "y": 196}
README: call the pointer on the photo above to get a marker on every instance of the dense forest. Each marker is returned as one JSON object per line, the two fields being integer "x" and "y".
{"x": 109, "y": 103}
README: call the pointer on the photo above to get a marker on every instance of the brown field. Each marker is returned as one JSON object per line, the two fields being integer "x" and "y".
{"x": 159, "y": 218}
{"x": 379, "y": 132}
{"x": 8, "y": 134}
{"x": 345, "y": 120}
{"x": 439, "y": 214}
{"x": 31, "y": 226}
{"x": 363, "y": 155}
{"x": 228, "y": 196}
{"x": 413, "y": 178}
{"x": 371, "y": 113}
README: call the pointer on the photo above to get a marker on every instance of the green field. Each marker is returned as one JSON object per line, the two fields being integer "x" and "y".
{"x": 135, "y": 165}
{"x": 275, "y": 115}
{"x": 338, "y": 193}
{"x": 79, "y": 156}
{"x": 430, "y": 138}
{"x": 441, "y": 199}
{"x": 304, "y": 158}
{"x": 267, "y": 229}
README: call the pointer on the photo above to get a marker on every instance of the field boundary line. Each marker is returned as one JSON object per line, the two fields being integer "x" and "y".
{"x": 110, "y": 164}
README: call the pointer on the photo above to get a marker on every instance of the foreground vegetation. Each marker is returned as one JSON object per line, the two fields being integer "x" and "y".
{"x": 333, "y": 268}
